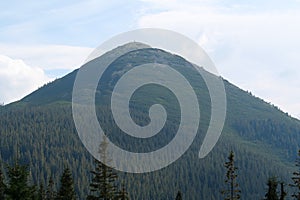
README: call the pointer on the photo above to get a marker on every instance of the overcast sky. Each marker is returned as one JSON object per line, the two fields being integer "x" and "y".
{"x": 254, "y": 44}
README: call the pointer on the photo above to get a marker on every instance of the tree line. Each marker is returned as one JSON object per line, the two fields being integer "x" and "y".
{"x": 103, "y": 185}
{"x": 232, "y": 191}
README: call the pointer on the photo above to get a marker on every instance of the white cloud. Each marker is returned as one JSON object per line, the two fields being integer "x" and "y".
{"x": 48, "y": 57}
{"x": 254, "y": 44}
{"x": 24, "y": 68}
{"x": 18, "y": 79}
{"x": 255, "y": 49}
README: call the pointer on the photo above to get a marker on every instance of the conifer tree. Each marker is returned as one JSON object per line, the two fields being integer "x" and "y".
{"x": 41, "y": 193}
{"x": 272, "y": 189}
{"x": 50, "y": 192}
{"x": 103, "y": 185}
{"x": 18, "y": 188}
{"x": 66, "y": 190}
{"x": 122, "y": 194}
{"x": 282, "y": 191}
{"x": 296, "y": 179}
{"x": 2, "y": 186}
{"x": 178, "y": 196}
{"x": 232, "y": 192}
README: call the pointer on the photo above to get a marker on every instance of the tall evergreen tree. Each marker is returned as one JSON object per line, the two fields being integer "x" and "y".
{"x": 66, "y": 190}
{"x": 296, "y": 179}
{"x": 272, "y": 189}
{"x": 2, "y": 185}
{"x": 122, "y": 194}
{"x": 103, "y": 186}
{"x": 282, "y": 191}
{"x": 178, "y": 196}
{"x": 18, "y": 188}
{"x": 50, "y": 192}
{"x": 41, "y": 192}
{"x": 232, "y": 192}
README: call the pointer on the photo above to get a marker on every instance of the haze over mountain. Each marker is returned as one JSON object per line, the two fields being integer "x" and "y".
{"x": 264, "y": 138}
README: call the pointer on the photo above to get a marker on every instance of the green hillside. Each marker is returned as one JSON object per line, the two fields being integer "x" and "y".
{"x": 40, "y": 130}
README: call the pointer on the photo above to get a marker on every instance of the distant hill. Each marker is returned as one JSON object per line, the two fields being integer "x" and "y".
{"x": 41, "y": 128}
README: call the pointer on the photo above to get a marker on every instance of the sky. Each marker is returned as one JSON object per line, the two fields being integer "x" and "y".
{"x": 254, "y": 44}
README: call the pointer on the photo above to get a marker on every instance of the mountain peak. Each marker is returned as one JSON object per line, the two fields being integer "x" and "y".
{"x": 130, "y": 46}
{"x": 134, "y": 45}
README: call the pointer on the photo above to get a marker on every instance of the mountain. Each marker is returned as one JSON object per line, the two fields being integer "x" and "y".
{"x": 39, "y": 130}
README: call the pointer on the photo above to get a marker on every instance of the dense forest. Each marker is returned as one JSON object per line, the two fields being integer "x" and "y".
{"x": 39, "y": 140}
{"x": 104, "y": 185}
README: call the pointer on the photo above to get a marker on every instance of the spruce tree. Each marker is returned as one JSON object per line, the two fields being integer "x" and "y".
{"x": 296, "y": 179}
{"x": 18, "y": 188}
{"x": 66, "y": 190}
{"x": 2, "y": 185}
{"x": 232, "y": 192}
{"x": 41, "y": 192}
{"x": 282, "y": 191}
{"x": 50, "y": 192}
{"x": 122, "y": 194}
{"x": 178, "y": 196}
{"x": 103, "y": 186}
{"x": 272, "y": 189}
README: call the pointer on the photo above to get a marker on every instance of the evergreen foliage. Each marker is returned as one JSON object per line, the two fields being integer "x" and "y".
{"x": 42, "y": 125}
{"x": 272, "y": 189}
{"x": 103, "y": 185}
{"x": 122, "y": 194}
{"x": 50, "y": 192}
{"x": 66, "y": 190}
{"x": 232, "y": 192}
{"x": 2, "y": 185}
{"x": 282, "y": 191}
{"x": 18, "y": 187}
{"x": 178, "y": 196}
{"x": 296, "y": 179}
{"x": 41, "y": 192}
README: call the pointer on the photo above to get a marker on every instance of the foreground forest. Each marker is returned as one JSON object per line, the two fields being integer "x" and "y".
{"x": 104, "y": 185}
{"x": 45, "y": 139}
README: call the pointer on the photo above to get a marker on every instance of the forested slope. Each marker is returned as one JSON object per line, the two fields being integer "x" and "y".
{"x": 39, "y": 130}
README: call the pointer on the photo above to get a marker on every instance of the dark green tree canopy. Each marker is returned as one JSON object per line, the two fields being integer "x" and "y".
{"x": 66, "y": 190}
{"x": 282, "y": 191}
{"x": 103, "y": 185}
{"x": 272, "y": 189}
{"x": 2, "y": 185}
{"x": 122, "y": 194}
{"x": 41, "y": 192}
{"x": 18, "y": 187}
{"x": 50, "y": 192}
{"x": 232, "y": 192}
{"x": 296, "y": 179}
{"x": 178, "y": 196}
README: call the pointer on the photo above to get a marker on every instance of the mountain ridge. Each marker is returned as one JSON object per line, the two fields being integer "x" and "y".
{"x": 133, "y": 46}
{"x": 264, "y": 138}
